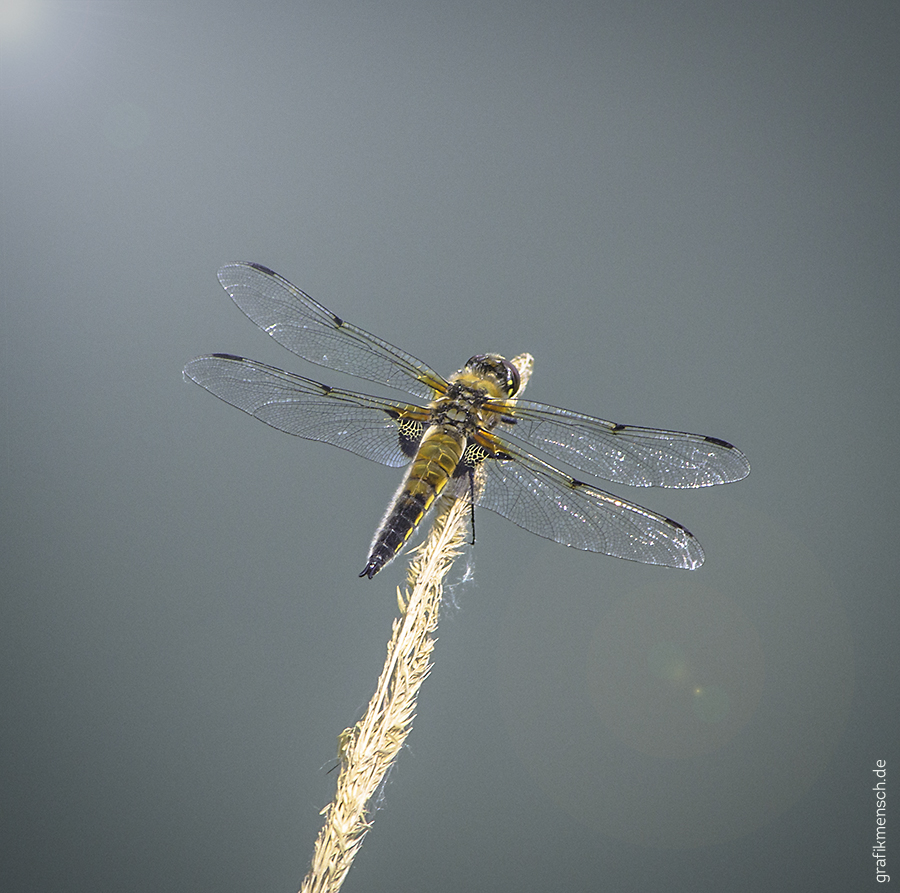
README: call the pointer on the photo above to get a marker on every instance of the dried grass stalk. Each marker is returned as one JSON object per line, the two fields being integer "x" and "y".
{"x": 370, "y": 747}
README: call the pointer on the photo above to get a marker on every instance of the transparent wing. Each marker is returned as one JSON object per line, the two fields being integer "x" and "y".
{"x": 551, "y": 504}
{"x": 368, "y": 426}
{"x": 313, "y": 332}
{"x": 625, "y": 454}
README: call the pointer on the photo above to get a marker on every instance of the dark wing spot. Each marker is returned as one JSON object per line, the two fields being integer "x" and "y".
{"x": 229, "y": 356}
{"x": 616, "y": 428}
{"x": 263, "y": 269}
{"x": 721, "y": 443}
{"x": 473, "y": 455}
{"x": 409, "y": 436}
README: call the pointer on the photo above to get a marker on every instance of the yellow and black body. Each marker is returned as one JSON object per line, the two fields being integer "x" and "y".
{"x": 452, "y": 444}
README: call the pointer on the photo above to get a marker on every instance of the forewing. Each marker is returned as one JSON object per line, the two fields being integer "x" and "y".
{"x": 313, "y": 332}
{"x": 547, "y": 502}
{"x": 368, "y": 426}
{"x": 625, "y": 454}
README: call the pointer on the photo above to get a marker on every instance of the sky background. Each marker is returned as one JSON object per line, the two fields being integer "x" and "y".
{"x": 688, "y": 212}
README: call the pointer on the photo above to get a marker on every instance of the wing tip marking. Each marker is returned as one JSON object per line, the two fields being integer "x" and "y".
{"x": 255, "y": 266}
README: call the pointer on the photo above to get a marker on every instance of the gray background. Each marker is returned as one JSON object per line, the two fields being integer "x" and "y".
{"x": 687, "y": 212}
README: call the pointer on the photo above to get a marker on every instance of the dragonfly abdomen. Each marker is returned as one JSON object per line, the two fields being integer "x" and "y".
{"x": 438, "y": 455}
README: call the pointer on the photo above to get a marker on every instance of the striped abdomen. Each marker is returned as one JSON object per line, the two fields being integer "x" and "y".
{"x": 436, "y": 459}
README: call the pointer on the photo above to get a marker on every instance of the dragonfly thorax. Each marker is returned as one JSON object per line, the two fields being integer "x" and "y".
{"x": 458, "y": 411}
{"x": 467, "y": 403}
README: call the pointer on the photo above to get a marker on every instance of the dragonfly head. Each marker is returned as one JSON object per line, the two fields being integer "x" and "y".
{"x": 500, "y": 369}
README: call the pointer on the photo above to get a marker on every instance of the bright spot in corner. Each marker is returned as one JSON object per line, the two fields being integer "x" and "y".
{"x": 17, "y": 18}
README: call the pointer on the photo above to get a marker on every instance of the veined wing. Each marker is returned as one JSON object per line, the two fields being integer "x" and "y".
{"x": 313, "y": 332}
{"x": 382, "y": 430}
{"x": 551, "y": 504}
{"x": 625, "y": 454}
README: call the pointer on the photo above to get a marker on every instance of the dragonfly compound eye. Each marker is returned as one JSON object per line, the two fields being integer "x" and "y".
{"x": 498, "y": 367}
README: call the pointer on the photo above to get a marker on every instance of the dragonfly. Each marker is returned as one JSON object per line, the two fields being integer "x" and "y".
{"x": 466, "y": 436}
